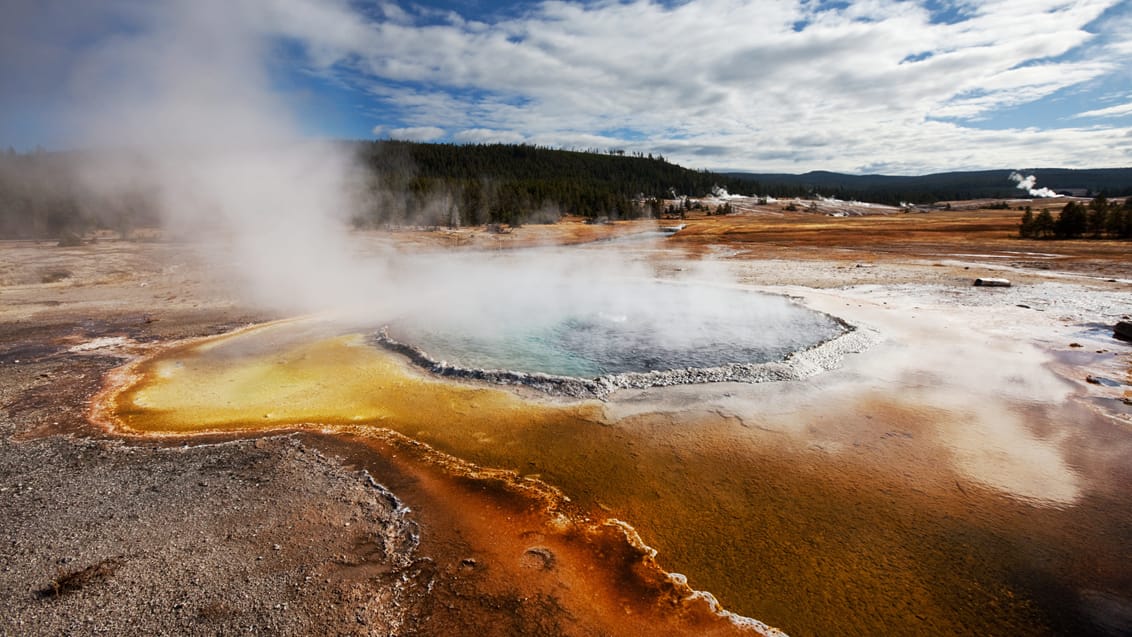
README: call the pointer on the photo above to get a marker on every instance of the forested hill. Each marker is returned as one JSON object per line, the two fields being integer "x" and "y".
{"x": 402, "y": 183}
{"x": 430, "y": 183}
{"x": 994, "y": 184}
{"x": 631, "y": 174}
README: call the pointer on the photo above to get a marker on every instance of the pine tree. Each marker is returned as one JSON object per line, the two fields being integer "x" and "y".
{"x": 1072, "y": 222}
{"x": 1097, "y": 216}
{"x": 1043, "y": 225}
{"x": 1026, "y": 228}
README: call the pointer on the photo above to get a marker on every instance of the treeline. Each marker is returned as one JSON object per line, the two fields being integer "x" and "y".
{"x": 1100, "y": 218}
{"x": 448, "y": 184}
{"x": 49, "y": 194}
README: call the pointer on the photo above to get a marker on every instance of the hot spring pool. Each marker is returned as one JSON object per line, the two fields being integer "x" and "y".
{"x": 617, "y": 328}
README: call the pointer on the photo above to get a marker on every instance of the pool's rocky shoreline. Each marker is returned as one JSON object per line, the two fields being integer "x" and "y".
{"x": 823, "y": 356}
{"x": 803, "y": 364}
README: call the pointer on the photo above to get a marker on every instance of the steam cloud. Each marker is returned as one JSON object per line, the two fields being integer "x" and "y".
{"x": 719, "y": 192}
{"x": 1027, "y": 183}
{"x": 183, "y": 105}
{"x": 188, "y": 102}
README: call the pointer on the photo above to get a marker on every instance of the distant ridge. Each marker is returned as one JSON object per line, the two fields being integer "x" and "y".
{"x": 981, "y": 184}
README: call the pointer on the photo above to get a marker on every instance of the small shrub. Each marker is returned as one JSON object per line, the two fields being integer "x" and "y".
{"x": 69, "y": 239}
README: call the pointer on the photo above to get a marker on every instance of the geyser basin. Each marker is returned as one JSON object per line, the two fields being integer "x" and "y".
{"x": 622, "y": 331}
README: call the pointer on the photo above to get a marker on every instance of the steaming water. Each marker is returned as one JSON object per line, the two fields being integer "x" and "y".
{"x": 635, "y": 327}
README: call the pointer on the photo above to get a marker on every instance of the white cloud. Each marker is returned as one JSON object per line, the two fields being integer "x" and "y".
{"x": 772, "y": 85}
{"x": 411, "y": 133}
{"x": 1120, "y": 110}
{"x": 725, "y": 83}
{"x": 488, "y": 136}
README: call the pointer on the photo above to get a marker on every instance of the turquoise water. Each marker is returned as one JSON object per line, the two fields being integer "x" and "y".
{"x": 626, "y": 327}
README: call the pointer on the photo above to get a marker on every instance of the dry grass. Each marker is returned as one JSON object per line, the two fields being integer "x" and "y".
{"x": 75, "y": 581}
{"x": 960, "y": 233}
{"x": 969, "y": 227}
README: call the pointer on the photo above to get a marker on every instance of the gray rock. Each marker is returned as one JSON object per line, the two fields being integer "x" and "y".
{"x": 1123, "y": 330}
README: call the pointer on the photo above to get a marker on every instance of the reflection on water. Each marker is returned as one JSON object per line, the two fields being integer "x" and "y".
{"x": 850, "y": 514}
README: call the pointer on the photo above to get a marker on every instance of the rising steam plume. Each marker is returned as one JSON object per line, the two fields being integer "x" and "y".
{"x": 187, "y": 101}
{"x": 1028, "y": 184}
{"x": 183, "y": 104}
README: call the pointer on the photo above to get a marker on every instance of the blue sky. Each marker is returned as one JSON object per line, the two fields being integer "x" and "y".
{"x": 899, "y": 87}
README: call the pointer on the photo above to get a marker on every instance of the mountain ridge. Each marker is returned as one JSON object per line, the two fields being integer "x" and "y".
{"x": 975, "y": 184}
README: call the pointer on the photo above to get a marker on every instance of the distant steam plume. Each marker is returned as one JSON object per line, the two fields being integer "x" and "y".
{"x": 1027, "y": 183}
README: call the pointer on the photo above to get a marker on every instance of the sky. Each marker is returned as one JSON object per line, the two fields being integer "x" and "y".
{"x": 877, "y": 86}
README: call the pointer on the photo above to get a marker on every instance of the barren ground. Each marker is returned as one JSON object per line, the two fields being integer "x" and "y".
{"x": 286, "y": 534}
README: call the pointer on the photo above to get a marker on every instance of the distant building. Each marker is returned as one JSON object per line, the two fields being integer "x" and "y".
{"x": 1074, "y": 192}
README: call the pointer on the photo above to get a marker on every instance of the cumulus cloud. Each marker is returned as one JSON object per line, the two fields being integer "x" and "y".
{"x": 870, "y": 79}
{"x": 725, "y": 83}
{"x": 488, "y": 136}
{"x": 411, "y": 133}
{"x": 1120, "y": 110}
